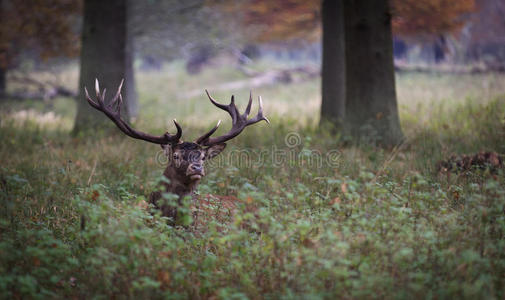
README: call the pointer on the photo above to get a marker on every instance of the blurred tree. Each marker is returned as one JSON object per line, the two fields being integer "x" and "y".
{"x": 358, "y": 87}
{"x": 432, "y": 24}
{"x": 169, "y": 29}
{"x": 371, "y": 106}
{"x": 430, "y": 17}
{"x": 284, "y": 19}
{"x": 44, "y": 28}
{"x": 107, "y": 55}
{"x": 485, "y": 37}
{"x": 333, "y": 75}
{"x": 291, "y": 19}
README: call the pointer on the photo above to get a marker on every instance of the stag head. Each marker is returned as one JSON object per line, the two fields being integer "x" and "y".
{"x": 187, "y": 159}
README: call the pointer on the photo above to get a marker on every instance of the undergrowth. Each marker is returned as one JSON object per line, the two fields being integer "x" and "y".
{"x": 370, "y": 223}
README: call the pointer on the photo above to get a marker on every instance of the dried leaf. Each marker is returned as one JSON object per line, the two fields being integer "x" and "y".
{"x": 343, "y": 187}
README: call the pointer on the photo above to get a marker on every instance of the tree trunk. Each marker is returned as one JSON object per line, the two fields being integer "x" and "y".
{"x": 3, "y": 68}
{"x": 105, "y": 55}
{"x": 130, "y": 92}
{"x": 371, "y": 107}
{"x": 333, "y": 64}
{"x": 3, "y": 81}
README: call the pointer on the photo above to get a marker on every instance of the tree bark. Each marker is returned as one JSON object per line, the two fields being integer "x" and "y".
{"x": 130, "y": 90}
{"x": 333, "y": 64}
{"x": 3, "y": 68}
{"x": 3, "y": 81}
{"x": 105, "y": 55}
{"x": 371, "y": 106}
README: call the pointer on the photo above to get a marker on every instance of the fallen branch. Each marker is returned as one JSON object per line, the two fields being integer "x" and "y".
{"x": 449, "y": 68}
{"x": 46, "y": 90}
{"x": 286, "y": 76}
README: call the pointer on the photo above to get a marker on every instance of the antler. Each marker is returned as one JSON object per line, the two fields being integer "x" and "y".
{"x": 113, "y": 112}
{"x": 239, "y": 121}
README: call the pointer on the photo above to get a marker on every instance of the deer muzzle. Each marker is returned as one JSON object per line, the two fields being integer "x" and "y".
{"x": 195, "y": 171}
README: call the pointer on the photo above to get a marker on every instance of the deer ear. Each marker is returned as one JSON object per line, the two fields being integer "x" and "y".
{"x": 214, "y": 150}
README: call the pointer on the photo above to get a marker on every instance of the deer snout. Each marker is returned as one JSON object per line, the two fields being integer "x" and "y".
{"x": 195, "y": 171}
{"x": 196, "y": 168}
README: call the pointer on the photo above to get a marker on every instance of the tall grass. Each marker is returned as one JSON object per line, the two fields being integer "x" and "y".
{"x": 374, "y": 223}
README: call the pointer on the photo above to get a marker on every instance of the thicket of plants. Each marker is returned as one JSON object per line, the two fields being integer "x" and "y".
{"x": 380, "y": 223}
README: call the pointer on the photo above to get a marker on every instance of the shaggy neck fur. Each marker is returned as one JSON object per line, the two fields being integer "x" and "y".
{"x": 178, "y": 185}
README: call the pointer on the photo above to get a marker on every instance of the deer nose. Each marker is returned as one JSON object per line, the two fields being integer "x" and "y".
{"x": 197, "y": 167}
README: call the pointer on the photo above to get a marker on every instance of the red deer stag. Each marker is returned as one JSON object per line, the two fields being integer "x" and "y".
{"x": 185, "y": 159}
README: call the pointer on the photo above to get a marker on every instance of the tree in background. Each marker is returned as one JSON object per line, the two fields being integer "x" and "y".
{"x": 189, "y": 29}
{"x": 291, "y": 19}
{"x": 432, "y": 24}
{"x": 333, "y": 78}
{"x": 39, "y": 28}
{"x": 281, "y": 20}
{"x": 358, "y": 88}
{"x": 107, "y": 55}
{"x": 485, "y": 37}
{"x": 358, "y": 91}
{"x": 430, "y": 17}
{"x": 371, "y": 105}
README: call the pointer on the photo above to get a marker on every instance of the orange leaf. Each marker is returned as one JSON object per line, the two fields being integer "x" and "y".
{"x": 94, "y": 195}
{"x": 163, "y": 277}
{"x": 343, "y": 187}
{"x": 336, "y": 200}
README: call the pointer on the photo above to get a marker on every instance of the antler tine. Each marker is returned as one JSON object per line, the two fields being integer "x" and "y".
{"x": 239, "y": 121}
{"x": 178, "y": 135}
{"x": 249, "y": 105}
{"x": 90, "y": 101}
{"x": 114, "y": 114}
{"x": 230, "y": 108}
{"x": 259, "y": 116}
{"x": 221, "y": 106}
{"x": 97, "y": 88}
{"x": 119, "y": 103}
{"x": 117, "y": 100}
{"x": 204, "y": 137}
{"x": 118, "y": 93}
{"x": 233, "y": 110}
{"x": 99, "y": 97}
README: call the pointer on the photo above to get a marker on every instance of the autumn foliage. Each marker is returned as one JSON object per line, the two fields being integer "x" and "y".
{"x": 46, "y": 27}
{"x": 284, "y": 19}
{"x": 411, "y": 17}
{"x": 293, "y": 19}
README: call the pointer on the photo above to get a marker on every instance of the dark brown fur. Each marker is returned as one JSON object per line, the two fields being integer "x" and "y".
{"x": 185, "y": 160}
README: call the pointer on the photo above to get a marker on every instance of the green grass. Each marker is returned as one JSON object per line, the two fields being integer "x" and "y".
{"x": 377, "y": 224}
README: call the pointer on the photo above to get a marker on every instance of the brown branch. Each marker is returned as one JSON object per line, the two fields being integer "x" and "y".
{"x": 47, "y": 90}
{"x": 450, "y": 69}
{"x": 286, "y": 76}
